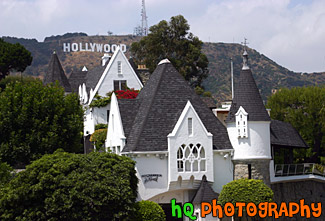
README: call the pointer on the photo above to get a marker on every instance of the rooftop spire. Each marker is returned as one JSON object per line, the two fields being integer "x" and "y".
{"x": 245, "y": 55}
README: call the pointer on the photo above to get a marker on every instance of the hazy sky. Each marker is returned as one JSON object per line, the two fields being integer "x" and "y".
{"x": 291, "y": 32}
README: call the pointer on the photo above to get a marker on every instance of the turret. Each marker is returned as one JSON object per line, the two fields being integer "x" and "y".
{"x": 248, "y": 125}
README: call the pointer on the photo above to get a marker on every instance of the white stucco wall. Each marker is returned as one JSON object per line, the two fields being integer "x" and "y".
{"x": 100, "y": 114}
{"x": 89, "y": 125}
{"x": 223, "y": 170}
{"x": 180, "y": 136}
{"x": 127, "y": 74}
{"x": 152, "y": 164}
{"x": 256, "y": 146}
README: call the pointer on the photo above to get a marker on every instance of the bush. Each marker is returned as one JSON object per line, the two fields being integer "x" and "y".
{"x": 100, "y": 126}
{"x": 148, "y": 211}
{"x": 66, "y": 186}
{"x": 245, "y": 191}
{"x": 5, "y": 173}
{"x": 37, "y": 119}
{"x": 98, "y": 138}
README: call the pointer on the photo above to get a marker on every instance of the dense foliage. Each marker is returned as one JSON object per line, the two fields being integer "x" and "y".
{"x": 13, "y": 57}
{"x": 98, "y": 138}
{"x": 172, "y": 40}
{"x": 5, "y": 173}
{"x": 13, "y": 79}
{"x": 304, "y": 108}
{"x": 37, "y": 119}
{"x": 148, "y": 211}
{"x": 66, "y": 186}
{"x": 245, "y": 191}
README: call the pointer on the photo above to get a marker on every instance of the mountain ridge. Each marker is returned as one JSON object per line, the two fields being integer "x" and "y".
{"x": 267, "y": 73}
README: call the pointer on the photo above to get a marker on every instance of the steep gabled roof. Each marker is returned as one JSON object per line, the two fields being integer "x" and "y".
{"x": 284, "y": 134}
{"x": 128, "y": 110}
{"x": 77, "y": 78}
{"x": 93, "y": 76}
{"x": 107, "y": 69}
{"x": 55, "y": 73}
{"x": 161, "y": 103}
{"x": 204, "y": 193}
{"x": 247, "y": 95}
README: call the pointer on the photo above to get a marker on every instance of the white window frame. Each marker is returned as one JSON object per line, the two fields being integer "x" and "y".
{"x": 241, "y": 123}
{"x": 190, "y": 155}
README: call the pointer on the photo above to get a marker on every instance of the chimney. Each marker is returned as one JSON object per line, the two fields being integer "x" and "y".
{"x": 105, "y": 59}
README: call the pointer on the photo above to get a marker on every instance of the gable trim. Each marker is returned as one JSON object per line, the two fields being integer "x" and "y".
{"x": 108, "y": 67}
{"x": 182, "y": 117}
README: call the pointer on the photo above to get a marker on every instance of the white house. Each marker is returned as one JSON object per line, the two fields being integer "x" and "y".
{"x": 174, "y": 138}
{"x": 182, "y": 151}
{"x": 115, "y": 73}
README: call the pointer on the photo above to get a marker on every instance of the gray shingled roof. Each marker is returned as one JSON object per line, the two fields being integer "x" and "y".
{"x": 284, "y": 134}
{"x": 160, "y": 104}
{"x": 55, "y": 73}
{"x": 128, "y": 109}
{"x": 93, "y": 76}
{"x": 248, "y": 96}
{"x": 77, "y": 78}
{"x": 204, "y": 193}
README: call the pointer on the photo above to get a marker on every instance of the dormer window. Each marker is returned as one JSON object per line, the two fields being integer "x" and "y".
{"x": 241, "y": 123}
{"x": 119, "y": 67}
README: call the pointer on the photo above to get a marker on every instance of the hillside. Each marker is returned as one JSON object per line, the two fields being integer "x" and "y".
{"x": 268, "y": 74}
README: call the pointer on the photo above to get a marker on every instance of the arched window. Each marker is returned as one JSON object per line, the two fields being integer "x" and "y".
{"x": 191, "y": 158}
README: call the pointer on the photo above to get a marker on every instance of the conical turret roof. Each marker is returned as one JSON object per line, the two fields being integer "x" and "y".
{"x": 247, "y": 95}
{"x": 55, "y": 72}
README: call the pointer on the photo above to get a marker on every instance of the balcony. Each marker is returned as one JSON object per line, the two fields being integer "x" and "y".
{"x": 291, "y": 172}
{"x": 299, "y": 169}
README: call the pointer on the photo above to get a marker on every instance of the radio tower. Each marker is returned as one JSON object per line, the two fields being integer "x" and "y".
{"x": 144, "y": 22}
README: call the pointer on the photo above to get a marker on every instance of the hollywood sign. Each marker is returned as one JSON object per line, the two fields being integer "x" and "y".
{"x": 92, "y": 47}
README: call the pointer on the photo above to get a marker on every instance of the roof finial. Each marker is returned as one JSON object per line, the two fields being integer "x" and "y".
{"x": 54, "y": 52}
{"x": 245, "y": 55}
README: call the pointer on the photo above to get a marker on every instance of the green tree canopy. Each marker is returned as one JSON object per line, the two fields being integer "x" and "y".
{"x": 304, "y": 108}
{"x": 173, "y": 40}
{"x": 148, "y": 211}
{"x": 37, "y": 119}
{"x": 5, "y": 173}
{"x": 13, "y": 57}
{"x": 66, "y": 186}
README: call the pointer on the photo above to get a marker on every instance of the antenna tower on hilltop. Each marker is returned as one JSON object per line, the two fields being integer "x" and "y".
{"x": 144, "y": 22}
{"x": 143, "y": 29}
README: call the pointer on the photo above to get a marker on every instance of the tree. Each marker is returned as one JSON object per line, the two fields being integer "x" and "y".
{"x": 245, "y": 191}
{"x": 5, "y": 173}
{"x": 172, "y": 40}
{"x": 66, "y": 186}
{"x": 13, "y": 57}
{"x": 304, "y": 108}
{"x": 37, "y": 119}
{"x": 148, "y": 211}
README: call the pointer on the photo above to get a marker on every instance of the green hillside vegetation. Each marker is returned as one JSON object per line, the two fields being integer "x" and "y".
{"x": 268, "y": 74}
